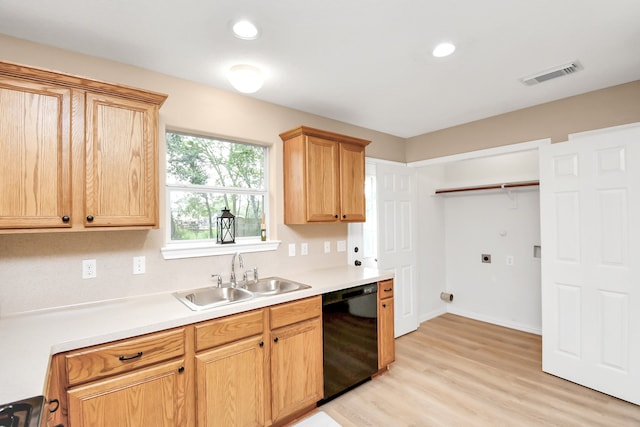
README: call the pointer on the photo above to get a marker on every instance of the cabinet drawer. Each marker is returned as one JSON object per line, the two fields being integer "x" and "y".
{"x": 292, "y": 312}
{"x": 122, "y": 356}
{"x": 385, "y": 289}
{"x": 228, "y": 329}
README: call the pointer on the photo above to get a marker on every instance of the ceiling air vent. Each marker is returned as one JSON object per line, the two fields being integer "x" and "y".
{"x": 560, "y": 71}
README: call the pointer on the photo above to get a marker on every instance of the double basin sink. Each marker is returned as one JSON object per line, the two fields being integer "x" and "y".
{"x": 210, "y": 297}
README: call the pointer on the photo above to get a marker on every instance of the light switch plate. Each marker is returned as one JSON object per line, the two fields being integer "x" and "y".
{"x": 304, "y": 249}
{"x": 342, "y": 246}
{"x": 327, "y": 247}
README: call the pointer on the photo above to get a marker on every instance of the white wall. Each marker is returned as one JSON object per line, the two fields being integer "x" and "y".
{"x": 477, "y": 224}
{"x": 458, "y": 228}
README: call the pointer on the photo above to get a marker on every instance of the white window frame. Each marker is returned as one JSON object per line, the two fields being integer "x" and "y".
{"x": 175, "y": 249}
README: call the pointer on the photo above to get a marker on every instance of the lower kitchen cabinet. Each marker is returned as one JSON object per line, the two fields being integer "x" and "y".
{"x": 257, "y": 368}
{"x": 230, "y": 384}
{"x": 386, "y": 333}
{"x": 260, "y": 367}
{"x": 135, "y": 382}
{"x": 146, "y": 397}
{"x": 296, "y": 367}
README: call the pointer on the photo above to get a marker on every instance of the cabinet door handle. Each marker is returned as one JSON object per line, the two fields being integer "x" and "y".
{"x": 344, "y": 216}
{"x": 181, "y": 369}
{"x": 261, "y": 344}
{"x": 54, "y": 405}
{"x": 90, "y": 218}
{"x": 384, "y": 305}
{"x": 336, "y": 216}
{"x": 65, "y": 218}
{"x": 388, "y": 290}
{"x": 275, "y": 339}
{"x": 125, "y": 358}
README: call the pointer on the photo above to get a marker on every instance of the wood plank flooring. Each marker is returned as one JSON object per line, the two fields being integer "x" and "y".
{"x": 455, "y": 371}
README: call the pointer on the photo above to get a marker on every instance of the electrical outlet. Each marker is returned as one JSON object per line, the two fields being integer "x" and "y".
{"x": 292, "y": 249}
{"x": 139, "y": 266}
{"x": 89, "y": 269}
{"x": 327, "y": 247}
{"x": 304, "y": 249}
{"x": 342, "y": 246}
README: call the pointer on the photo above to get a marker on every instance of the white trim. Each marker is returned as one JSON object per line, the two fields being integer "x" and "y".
{"x": 575, "y": 135}
{"x": 374, "y": 161}
{"x": 503, "y": 149}
{"x": 500, "y": 322}
{"x": 194, "y": 250}
{"x": 423, "y": 317}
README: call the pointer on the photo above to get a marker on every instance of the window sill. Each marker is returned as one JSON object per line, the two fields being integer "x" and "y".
{"x": 193, "y": 250}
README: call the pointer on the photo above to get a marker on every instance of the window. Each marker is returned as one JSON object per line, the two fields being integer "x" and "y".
{"x": 205, "y": 175}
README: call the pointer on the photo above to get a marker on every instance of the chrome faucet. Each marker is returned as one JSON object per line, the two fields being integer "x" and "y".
{"x": 234, "y": 283}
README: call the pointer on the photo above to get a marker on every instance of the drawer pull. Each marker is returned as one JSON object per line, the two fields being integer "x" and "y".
{"x": 135, "y": 356}
{"x": 388, "y": 290}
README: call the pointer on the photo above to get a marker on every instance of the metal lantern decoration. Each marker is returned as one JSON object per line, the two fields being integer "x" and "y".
{"x": 226, "y": 227}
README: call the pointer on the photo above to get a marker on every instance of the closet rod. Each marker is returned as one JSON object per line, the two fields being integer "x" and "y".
{"x": 489, "y": 187}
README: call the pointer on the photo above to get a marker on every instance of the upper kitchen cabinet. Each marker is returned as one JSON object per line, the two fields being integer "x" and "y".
{"x": 82, "y": 153}
{"x": 323, "y": 177}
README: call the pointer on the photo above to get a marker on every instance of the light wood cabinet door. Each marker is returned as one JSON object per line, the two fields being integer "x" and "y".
{"x": 121, "y": 162}
{"x": 230, "y": 385}
{"x": 352, "y": 200}
{"x": 322, "y": 181}
{"x": 296, "y": 367}
{"x": 152, "y": 396}
{"x": 323, "y": 177}
{"x": 386, "y": 340}
{"x": 35, "y": 144}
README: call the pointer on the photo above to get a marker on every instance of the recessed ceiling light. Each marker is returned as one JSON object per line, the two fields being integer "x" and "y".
{"x": 245, "y": 30}
{"x": 246, "y": 78}
{"x": 444, "y": 49}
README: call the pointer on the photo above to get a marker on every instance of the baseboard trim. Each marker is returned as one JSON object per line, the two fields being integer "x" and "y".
{"x": 493, "y": 320}
{"x": 431, "y": 315}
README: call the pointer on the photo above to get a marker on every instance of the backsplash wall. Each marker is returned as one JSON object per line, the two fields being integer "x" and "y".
{"x": 39, "y": 271}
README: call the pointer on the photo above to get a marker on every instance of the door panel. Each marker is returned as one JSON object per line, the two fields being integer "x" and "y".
{"x": 590, "y": 211}
{"x": 397, "y": 231}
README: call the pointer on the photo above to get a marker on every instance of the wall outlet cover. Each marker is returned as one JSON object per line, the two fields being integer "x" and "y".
{"x": 327, "y": 247}
{"x": 89, "y": 269}
{"x": 292, "y": 249}
{"x": 342, "y": 246}
{"x": 139, "y": 265}
{"x": 304, "y": 249}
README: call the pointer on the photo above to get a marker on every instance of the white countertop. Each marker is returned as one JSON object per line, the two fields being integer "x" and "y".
{"x": 30, "y": 339}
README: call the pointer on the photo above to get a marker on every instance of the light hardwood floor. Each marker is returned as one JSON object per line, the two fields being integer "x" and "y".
{"x": 455, "y": 371}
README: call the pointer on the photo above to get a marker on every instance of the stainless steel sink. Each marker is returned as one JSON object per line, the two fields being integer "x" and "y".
{"x": 204, "y": 298}
{"x": 273, "y": 286}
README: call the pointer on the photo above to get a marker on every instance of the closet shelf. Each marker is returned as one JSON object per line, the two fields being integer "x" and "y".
{"x": 505, "y": 186}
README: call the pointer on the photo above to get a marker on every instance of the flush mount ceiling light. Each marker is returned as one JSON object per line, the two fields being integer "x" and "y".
{"x": 246, "y": 78}
{"x": 245, "y": 30}
{"x": 444, "y": 49}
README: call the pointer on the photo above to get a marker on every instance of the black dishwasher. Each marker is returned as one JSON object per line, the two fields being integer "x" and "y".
{"x": 350, "y": 338}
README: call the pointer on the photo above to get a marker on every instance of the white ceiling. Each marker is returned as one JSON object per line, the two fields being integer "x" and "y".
{"x": 364, "y": 62}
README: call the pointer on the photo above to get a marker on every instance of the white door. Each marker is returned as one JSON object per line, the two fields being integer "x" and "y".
{"x": 590, "y": 227}
{"x": 396, "y": 185}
